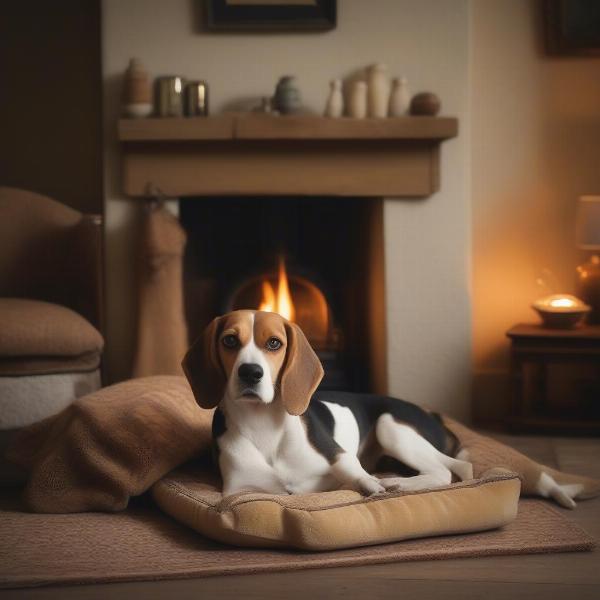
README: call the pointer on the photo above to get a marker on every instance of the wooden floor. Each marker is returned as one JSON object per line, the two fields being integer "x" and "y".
{"x": 569, "y": 576}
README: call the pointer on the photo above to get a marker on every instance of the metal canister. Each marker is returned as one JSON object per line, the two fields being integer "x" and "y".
{"x": 169, "y": 96}
{"x": 196, "y": 99}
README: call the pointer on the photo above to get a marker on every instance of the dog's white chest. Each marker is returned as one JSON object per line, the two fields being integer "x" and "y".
{"x": 263, "y": 438}
{"x": 298, "y": 465}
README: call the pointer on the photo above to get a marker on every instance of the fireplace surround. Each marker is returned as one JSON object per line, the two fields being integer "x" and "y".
{"x": 255, "y": 189}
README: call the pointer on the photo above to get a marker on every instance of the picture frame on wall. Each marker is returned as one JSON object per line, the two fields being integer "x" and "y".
{"x": 270, "y": 15}
{"x": 572, "y": 27}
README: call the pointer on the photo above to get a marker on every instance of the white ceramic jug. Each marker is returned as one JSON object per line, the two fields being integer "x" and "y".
{"x": 335, "y": 102}
{"x": 399, "y": 98}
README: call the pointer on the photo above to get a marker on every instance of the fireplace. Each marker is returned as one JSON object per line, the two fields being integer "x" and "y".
{"x": 318, "y": 261}
{"x": 258, "y": 192}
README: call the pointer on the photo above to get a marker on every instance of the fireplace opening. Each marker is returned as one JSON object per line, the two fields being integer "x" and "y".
{"x": 294, "y": 297}
{"x": 316, "y": 261}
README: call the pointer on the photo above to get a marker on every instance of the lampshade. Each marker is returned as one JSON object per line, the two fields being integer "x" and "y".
{"x": 588, "y": 223}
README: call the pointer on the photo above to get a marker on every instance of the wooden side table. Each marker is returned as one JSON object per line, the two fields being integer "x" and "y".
{"x": 555, "y": 378}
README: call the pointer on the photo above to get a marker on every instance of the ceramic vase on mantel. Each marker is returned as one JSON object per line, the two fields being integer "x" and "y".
{"x": 138, "y": 92}
{"x": 399, "y": 98}
{"x": 379, "y": 90}
{"x": 335, "y": 103}
{"x": 287, "y": 98}
{"x": 357, "y": 101}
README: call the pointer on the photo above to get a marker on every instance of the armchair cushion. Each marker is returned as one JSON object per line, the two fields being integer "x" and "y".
{"x": 40, "y": 337}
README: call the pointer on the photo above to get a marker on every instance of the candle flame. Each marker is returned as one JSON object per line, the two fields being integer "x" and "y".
{"x": 280, "y": 302}
{"x": 562, "y": 302}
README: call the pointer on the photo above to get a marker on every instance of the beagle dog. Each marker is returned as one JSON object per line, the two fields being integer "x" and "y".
{"x": 274, "y": 434}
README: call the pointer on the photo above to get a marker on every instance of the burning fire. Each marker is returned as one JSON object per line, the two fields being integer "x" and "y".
{"x": 280, "y": 302}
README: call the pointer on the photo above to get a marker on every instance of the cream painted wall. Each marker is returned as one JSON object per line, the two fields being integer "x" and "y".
{"x": 536, "y": 148}
{"x": 427, "y": 242}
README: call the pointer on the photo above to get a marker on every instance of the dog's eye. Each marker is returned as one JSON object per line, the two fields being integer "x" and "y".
{"x": 273, "y": 344}
{"x": 230, "y": 341}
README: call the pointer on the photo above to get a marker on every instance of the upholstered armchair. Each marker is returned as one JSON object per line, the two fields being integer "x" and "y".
{"x": 50, "y": 307}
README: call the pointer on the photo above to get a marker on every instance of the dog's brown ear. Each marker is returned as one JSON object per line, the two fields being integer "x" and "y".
{"x": 203, "y": 368}
{"x": 302, "y": 371}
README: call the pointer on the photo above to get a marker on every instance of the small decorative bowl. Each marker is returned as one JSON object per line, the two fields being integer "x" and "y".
{"x": 561, "y": 311}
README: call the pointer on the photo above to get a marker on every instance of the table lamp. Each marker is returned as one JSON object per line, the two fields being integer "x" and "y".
{"x": 588, "y": 238}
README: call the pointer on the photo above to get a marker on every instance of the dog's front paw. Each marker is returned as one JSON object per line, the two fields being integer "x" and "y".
{"x": 369, "y": 486}
{"x": 393, "y": 484}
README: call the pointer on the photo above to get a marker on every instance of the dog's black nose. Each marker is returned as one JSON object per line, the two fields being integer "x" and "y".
{"x": 250, "y": 372}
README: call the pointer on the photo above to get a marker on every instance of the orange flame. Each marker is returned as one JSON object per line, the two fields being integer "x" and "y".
{"x": 281, "y": 302}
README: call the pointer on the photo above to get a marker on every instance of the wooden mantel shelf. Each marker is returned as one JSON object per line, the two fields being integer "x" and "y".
{"x": 293, "y": 155}
{"x": 259, "y": 127}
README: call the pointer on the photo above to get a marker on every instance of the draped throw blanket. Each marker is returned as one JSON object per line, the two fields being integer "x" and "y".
{"x": 162, "y": 332}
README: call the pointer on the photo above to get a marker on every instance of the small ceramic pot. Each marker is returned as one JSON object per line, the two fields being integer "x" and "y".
{"x": 425, "y": 104}
{"x": 287, "y": 99}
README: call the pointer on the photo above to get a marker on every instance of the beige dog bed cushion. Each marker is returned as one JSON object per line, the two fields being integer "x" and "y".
{"x": 337, "y": 519}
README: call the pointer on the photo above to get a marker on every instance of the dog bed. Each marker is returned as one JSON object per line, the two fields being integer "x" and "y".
{"x": 337, "y": 519}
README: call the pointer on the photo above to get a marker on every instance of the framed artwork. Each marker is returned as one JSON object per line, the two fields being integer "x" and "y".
{"x": 572, "y": 27}
{"x": 271, "y": 15}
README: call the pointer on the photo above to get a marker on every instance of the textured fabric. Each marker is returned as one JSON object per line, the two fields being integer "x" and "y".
{"x": 41, "y": 329}
{"x": 141, "y": 544}
{"x": 488, "y": 455}
{"x": 110, "y": 445}
{"x": 24, "y": 366}
{"x": 120, "y": 440}
{"x": 162, "y": 332}
{"x": 10, "y": 474}
{"x": 32, "y": 398}
{"x": 338, "y": 519}
{"x": 50, "y": 252}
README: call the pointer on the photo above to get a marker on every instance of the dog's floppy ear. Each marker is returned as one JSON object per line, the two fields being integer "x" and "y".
{"x": 203, "y": 368}
{"x": 302, "y": 371}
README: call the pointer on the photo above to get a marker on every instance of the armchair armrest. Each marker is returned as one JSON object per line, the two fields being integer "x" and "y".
{"x": 85, "y": 268}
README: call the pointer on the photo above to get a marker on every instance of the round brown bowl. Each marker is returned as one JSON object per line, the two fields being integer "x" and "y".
{"x": 562, "y": 319}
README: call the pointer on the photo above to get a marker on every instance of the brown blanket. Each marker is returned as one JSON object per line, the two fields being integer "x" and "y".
{"x": 111, "y": 445}
{"x": 118, "y": 441}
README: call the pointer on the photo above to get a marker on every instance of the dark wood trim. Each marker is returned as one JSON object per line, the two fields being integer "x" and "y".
{"x": 228, "y": 16}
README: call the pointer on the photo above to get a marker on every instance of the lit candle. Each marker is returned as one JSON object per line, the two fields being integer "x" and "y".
{"x": 562, "y": 302}
{"x": 561, "y": 311}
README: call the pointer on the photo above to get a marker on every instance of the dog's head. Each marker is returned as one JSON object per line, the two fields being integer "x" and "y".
{"x": 253, "y": 357}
